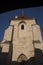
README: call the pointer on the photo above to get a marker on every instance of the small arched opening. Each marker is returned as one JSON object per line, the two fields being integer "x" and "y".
{"x": 22, "y": 27}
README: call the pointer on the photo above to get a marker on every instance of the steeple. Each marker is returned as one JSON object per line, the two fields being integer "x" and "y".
{"x": 22, "y": 12}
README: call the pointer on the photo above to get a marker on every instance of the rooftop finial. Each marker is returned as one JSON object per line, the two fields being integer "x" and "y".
{"x": 22, "y": 12}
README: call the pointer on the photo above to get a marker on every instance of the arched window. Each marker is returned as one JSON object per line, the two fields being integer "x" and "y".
{"x": 22, "y": 27}
{"x": 21, "y": 58}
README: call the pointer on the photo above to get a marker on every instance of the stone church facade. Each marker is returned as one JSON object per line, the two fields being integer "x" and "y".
{"x": 21, "y": 39}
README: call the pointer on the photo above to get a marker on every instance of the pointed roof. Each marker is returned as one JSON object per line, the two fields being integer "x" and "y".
{"x": 21, "y": 17}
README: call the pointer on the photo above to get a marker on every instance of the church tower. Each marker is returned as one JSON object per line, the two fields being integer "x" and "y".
{"x": 24, "y": 36}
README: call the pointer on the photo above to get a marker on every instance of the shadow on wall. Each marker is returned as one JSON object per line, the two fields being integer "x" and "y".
{"x": 4, "y": 59}
{"x": 28, "y": 62}
{"x": 38, "y": 56}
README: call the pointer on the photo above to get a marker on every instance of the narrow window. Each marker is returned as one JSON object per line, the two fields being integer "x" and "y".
{"x": 22, "y": 27}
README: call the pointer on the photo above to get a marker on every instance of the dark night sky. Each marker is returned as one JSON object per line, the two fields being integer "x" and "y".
{"x": 35, "y": 12}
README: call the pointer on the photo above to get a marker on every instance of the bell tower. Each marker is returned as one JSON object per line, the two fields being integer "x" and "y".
{"x": 22, "y": 37}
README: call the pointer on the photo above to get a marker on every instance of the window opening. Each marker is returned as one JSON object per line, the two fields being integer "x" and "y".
{"x": 22, "y": 27}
